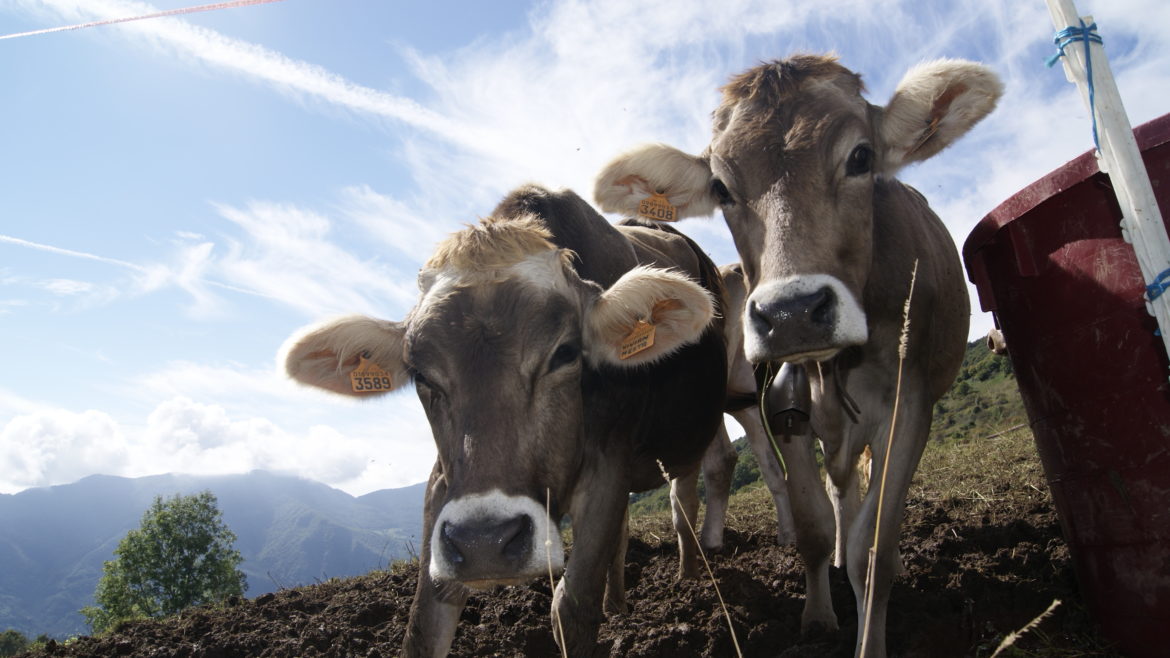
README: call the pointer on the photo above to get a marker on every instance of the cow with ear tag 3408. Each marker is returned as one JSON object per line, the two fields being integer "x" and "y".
{"x": 561, "y": 361}
{"x": 803, "y": 167}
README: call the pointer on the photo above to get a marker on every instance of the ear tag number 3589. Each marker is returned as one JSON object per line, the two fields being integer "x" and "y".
{"x": 369, "y": 377}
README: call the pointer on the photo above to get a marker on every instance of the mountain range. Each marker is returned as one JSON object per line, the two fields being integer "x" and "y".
{"x": 290, "y": 531}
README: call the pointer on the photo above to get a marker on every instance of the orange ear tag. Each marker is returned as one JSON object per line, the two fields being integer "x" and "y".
{"x": 657, "y": 209}
{"x": 638, "y": 340}
{"x": 369, "y": 377}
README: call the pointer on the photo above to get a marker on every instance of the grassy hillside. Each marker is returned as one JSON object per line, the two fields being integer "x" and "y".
{"x": 984, "y": 399}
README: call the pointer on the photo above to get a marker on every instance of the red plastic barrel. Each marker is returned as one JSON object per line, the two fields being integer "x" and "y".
{"x": 1067, "y": 293}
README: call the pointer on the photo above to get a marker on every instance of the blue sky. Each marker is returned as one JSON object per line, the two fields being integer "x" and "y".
{"x": 179, "y": 195}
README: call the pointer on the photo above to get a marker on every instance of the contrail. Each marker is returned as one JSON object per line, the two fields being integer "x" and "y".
{"x": 157, "y": 14}
{"x": 69, "y": 252}
{"x": 120, "y": 263}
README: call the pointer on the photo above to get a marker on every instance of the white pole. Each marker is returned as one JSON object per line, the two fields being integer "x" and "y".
{"x": 1119, "y": 157}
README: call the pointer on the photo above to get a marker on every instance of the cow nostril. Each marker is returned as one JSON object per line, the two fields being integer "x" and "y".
{"x": 517, "y": 537}
{"x": 450, "y": 542}
{"x": 760, "y": 319}
{"x": 824, "y": 307}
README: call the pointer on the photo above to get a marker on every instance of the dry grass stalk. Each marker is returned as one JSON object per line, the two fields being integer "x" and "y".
{"x": 559, "y": 633}
{"x": 710, "y": 573}
{"x": 903, "y": 343}
{"x": 1015, "y": 635}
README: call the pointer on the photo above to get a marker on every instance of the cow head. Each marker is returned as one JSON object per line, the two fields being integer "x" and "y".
{"x": 497, "y": 349}
{"x": 794, "y": 161}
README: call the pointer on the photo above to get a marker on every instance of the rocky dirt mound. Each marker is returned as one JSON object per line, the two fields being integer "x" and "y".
{"x": 975, "y": 571}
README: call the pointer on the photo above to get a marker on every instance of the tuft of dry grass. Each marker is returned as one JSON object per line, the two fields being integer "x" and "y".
{"x": 985, "y": 473}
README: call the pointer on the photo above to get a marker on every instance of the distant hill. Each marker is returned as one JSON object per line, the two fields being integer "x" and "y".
{"x": 291, "y": 532}
{"x": 984, "y": 400}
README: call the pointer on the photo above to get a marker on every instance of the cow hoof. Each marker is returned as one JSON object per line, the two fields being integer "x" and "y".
{"x": 786, "y": 538}
{"x": 818, "y": 625}
{"x": 616, "y": 608}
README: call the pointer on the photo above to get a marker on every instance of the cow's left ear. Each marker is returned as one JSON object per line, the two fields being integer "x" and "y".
{"x": 644, "y": 316}
{"x": 935, "y": 104}
{"x": 684, "y": 179}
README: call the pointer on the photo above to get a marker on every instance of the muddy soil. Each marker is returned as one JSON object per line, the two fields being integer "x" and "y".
{"x": 972, "y": 576}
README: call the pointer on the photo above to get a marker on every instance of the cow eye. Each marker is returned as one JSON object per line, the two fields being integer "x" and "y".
{"x": 721, "y": 192}
{"x": 563, "y": 356}
{"x": 860, "y": 161}
{"x": 422, "y": 382}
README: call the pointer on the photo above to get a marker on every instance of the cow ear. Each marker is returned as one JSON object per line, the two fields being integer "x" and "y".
{"x": 644, "y": 316}
{"x": 685, "y": 181}
{"x": 326, "y": 356}
{"x": 935, "y": 104}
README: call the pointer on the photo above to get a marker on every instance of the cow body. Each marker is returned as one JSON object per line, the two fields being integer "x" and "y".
{"x": 515, "y": 350}
{"x": 802, "y": 168}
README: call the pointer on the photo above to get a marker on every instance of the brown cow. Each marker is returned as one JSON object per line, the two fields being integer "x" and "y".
{"x": 802, "y": 167}
{"x": 541, "y": 397}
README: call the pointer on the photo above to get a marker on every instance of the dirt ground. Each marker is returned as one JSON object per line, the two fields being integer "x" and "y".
{"x": 974, "y": 573}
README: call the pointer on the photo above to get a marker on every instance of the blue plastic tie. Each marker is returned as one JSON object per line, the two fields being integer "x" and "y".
{"x": 1087, "y": 34}
{"x": 1160, "y": 285}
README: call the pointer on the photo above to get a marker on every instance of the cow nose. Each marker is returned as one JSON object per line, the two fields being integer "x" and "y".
{"x": 818, "y": 308}
{"x": 487, "y": 545}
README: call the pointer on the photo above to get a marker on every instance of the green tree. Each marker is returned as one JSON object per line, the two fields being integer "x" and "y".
{"x": 12, "y": 642}
{"x": 181, "y": 555}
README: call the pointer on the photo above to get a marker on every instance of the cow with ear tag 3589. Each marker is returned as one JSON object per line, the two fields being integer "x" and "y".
{"x": 803, "y": 167}
{"x": 560, "y": 360}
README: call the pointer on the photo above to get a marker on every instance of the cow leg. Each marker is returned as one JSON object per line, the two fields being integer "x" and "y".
{"x": 615, "y": 582}
{"x": 577, "y": 602}
{"x": 913, "y": 431}
{"x": 842, "y": 486}
{"x": 718, "y": 468}
{"x": 770, "y": 470}
{"x": 812, "y": 516}
{"x": 434, "y": 613}
{"x": 684, "y": 508}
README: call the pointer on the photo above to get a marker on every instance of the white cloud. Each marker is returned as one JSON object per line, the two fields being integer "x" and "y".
{"x": 56, "y": 446}
{"x": 45, "y": 446}
{"x": 66, "y": 286}
{"x": 6, "y": 305}
{"x": 289, "y": 256}
{"x": 408, "y": 230}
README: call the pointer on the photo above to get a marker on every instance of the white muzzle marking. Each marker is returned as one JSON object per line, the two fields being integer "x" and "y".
{"x": 848, "y": 329}
{"x": 497, "y": 505}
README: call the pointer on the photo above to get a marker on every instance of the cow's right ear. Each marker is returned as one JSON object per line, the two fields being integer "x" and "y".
{"x": 326, "y": 356}
{"x": 646, "y": 315}
{"x": 685, "y": 181}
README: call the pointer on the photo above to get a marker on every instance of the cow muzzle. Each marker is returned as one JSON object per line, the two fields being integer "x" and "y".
{"x": 801, "y": 318}
{"x": 494, "y": 539}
